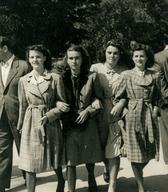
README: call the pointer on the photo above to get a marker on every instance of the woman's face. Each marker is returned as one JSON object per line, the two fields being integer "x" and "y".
{"x": 74, "y": 60}
{"x": 36, "y": 59}
{"x": 140, "y": 59}
{"x": 112, "y": 55}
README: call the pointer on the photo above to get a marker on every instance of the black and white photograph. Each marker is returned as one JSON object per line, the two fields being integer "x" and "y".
{"x": 83, "y": 95}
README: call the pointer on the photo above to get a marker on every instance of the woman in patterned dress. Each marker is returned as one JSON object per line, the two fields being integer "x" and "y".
{"x": 82, "y": 143}
{"x": 110, "y": 80}
{"x": 141, "y": 120}
{"x": 41, "y": 136}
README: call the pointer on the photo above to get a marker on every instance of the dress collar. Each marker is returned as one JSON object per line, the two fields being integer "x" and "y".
{"x": 46, "y": 76}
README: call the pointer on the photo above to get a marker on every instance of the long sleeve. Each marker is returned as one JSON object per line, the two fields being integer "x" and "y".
{"x": 22, "y": 104}
{"x": 163, "y": 88}
{"x": 97, "y": 95}
{"x": 55, "y": 113}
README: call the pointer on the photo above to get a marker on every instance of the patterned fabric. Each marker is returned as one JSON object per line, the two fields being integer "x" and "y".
{"x": 141, "y": 129}
{"x": 41, "y": 147}
{"x": 111, "y": 83}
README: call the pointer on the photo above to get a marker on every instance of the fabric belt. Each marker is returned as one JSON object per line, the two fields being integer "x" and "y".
{"x": 138, "y": 104}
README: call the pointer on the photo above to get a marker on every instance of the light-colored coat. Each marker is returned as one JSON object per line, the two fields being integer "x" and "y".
{"x": 41, "y": 146}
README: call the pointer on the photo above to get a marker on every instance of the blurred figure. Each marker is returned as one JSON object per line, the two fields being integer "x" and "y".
{"x": 161, "y": 59}
{"x": 109, "y": 129}
{"x": 59, "y": 65}
{"x": 41, "y": 136}
{"x": 11, "y": 69}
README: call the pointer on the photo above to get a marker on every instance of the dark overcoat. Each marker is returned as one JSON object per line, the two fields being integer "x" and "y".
{"x": 9, "y": 112}
{"x": 161, "y": 58}
{"x": 82, "y": 142}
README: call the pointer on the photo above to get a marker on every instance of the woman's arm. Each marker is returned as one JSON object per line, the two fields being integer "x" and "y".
{"x": 55, "y": 113}
{"x": 22, "y": 104}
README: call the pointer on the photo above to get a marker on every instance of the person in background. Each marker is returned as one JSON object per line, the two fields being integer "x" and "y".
{"x": 82, "y": 142}
{"x": 11, "y": 69}
{"x": 39, "y": 119}
{"x": 108, "y": 73}
{"x": 142, "y": 92}
{"x": 161, "y": 58}
{"x": 59, "y": 65}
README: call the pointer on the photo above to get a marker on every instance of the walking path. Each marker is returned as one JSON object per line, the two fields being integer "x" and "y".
{"x": 155, "y": 173}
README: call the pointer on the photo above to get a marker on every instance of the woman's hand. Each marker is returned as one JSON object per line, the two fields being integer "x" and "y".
{"x": 43, "y": 120}
{"x": 116, "y": 110}
{"x": 97, "y": 104}
{"x": 82, "y": 117}
{"x": 155, "y": 112}
{"x": 64, "y": 107}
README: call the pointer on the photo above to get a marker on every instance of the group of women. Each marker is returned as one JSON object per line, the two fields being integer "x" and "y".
{"x": 86, "y": 114}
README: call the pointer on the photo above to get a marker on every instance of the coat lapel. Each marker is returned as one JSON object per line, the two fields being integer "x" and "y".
{"x": 44, "y": 86}
{"x": 13, "y": 71}
{"x": 41, "y": 88}
{"x": 1, "y": 83}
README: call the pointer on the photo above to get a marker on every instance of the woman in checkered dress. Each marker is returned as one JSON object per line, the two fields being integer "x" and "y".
{"x": 141, "y": 119}
{"x": 41, "y": 135}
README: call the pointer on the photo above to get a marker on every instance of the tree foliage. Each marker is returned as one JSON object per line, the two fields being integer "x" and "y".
{"x": 142, "y": 20}
{"x": 90, "y": 22}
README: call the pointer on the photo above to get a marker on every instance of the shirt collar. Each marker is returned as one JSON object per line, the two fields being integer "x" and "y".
{"x": 46, "y": 75}
{"x": 9, "y": 61}
{"x": 141, "y": 73}
{"x": 166, "y": 47}
{"x": 108, "y": 70}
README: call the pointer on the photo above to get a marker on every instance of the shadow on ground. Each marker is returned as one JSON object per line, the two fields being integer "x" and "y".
{"x": 156, "y": 183}
{"x": 153, "y": 184}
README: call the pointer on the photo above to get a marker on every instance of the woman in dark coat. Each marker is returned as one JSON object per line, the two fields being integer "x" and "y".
{"x": 82, "y": 142}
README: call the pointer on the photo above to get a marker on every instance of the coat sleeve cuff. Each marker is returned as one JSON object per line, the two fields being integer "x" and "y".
{"x": 53, "y": 114}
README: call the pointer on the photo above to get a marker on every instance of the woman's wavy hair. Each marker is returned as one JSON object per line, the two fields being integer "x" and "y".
{"x": 42, "y": 49}
{"x": 148, "y": 51}
{"x": 124, "y": 59}
{"x": 85, "y": 66}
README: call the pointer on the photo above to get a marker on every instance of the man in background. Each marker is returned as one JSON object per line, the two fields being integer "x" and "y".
{"x": 11, "y": 69}
{"x": 161, "y": 59}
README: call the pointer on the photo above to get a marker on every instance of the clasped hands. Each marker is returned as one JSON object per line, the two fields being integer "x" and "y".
{"x": 64, "y": 107}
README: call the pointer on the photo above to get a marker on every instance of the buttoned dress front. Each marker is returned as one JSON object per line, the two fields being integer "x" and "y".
{"x": 110, "y": 134}
{"x": 41, "y": 146}
{"x": 141, "y": 128}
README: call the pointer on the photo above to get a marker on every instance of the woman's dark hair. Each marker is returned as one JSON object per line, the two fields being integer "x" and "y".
{"x": 124, "y": 59}
{"x": 55, "y": 61}
{"x": 42, "y": 49}
{"x": 148, "y": 51}
{"x": 85, "y": 66}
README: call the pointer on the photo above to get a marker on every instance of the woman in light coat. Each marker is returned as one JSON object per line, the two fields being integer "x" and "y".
{"x": 39, "y": 125}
